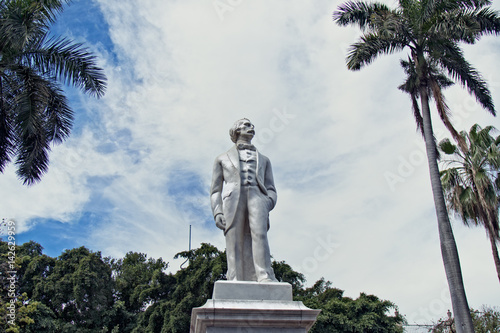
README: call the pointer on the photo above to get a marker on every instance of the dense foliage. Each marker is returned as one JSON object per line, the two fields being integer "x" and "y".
{"x": 485, "y": 320}
{"x": 80, "y": 291}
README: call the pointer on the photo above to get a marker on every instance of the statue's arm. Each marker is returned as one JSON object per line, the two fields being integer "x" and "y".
{"x": 269, "y": 184}
{"x": 216, "y": 188}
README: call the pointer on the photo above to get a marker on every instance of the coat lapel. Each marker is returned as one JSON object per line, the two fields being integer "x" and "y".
{"x": 257, "y": 165}
{"x": 234, "y": 157}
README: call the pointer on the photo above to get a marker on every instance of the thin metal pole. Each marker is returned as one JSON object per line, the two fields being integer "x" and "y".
{"x": 189, "y": 248}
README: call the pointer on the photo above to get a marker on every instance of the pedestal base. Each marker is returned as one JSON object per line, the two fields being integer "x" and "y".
{"x": 254, "y": 308}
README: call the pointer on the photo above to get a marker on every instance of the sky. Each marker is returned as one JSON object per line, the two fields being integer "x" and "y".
{"x": 354, "y": 198}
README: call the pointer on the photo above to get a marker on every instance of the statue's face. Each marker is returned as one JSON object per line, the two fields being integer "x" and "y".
{"x": 246, "y": 129}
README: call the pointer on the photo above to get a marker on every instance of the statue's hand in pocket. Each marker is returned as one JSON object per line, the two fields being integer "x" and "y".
{"x": 220, "y": 222}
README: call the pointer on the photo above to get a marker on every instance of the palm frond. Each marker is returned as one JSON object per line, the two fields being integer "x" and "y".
{"x": 444, "y": 112}
{"x": 59, "y": 116}
{"x": 471, "y": 189}
{"x": 49, "y": 9}
{"x": 435, "y": 14}
{"x": 455, "y": 25}
{"x": 357, "y": 13}
{"x": 453, "y": 61}
{"x": 493, "y": 156}
{"x": 448, "y": 177}
{"x": 42, "y": 117}
{"x": 489, "y": 21}
{"x": 417, "y": 115}
{"x": 483, "y": 136}
{"x": 449, "y": 5}
{"x": 412, "y": 83}
{"x": 476, "y": 4}
{"x": 34, "y": 112}
{"x": 447, "y": 147}
{"x": 468, "y": 205}
{"x": 6, "y": 131}
{"x": 70, "y": 62}
{"x": 388, "y": 24}
{"x": 436, "y": 82}
{"x": 45, "y": 11}
{"x": 497, "y": 182}
{"x": 23, "y": 21}
{"x": 33, "y": 145}
{"x": 468, "y": 25}
{"x": 409, "y": 88}
{"x": 369, "y": 47}
{"x": 473, "y": 133}
{"x": 428, "y": 9}
{"x": 442, "y": 80}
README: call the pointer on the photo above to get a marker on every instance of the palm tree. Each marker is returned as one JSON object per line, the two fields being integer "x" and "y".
{"x": 34, "y": 112}
{"x": 431, "y": 30}
{"x": 472, "y": 182}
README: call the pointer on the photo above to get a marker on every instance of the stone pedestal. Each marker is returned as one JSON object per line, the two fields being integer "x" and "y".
{"x": 241, "y": 306}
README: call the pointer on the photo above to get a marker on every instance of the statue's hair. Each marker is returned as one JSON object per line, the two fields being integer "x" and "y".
{"x": 234, "y": 132}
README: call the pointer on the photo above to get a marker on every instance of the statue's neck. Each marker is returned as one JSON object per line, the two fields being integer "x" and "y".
{"x": 244, "y": 141}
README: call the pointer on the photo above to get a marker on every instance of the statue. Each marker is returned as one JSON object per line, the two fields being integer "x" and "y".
{"x": 242, "y": 195}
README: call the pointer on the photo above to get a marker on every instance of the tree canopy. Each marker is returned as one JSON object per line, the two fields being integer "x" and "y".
{"x": 80, "y": 291}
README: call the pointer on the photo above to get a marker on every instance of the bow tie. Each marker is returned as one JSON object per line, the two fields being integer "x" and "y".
{"x": 245, "y": 146}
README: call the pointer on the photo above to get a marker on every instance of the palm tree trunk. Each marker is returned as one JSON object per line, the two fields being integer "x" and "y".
{"x": 494, "y": 251}
{"x": 449, "y": 252}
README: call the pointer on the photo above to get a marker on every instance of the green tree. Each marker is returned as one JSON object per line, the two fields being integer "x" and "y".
{"x": 22, "y": 315}
{"x": 487, "y": 320}
{"x": 431, "y": 31}
{"x": 285, "y": 273}
{"x": 78, "y": 290}
{"x": 187, "y": 288}
{"x": 138, "y": 280}
{"x": 30, "y": 315}
{"x": 81, "y": 292}
{"x": 366, "y": 314}
{"x": 194, "y": 285}
{"x": 34, "y": 112}
{"x": 471, "y": 182}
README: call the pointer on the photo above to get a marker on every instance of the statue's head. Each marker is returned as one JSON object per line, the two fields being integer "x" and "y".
{"x": 243, "y": 126}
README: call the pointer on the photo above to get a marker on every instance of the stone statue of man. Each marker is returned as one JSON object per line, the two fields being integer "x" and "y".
{"x": 242, "y": 195}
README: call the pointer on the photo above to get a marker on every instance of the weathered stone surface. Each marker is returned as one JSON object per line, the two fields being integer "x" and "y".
{"x": 252, "y": 316}
{"x": 271, "y": 309}
{"x": 245, "y": 290}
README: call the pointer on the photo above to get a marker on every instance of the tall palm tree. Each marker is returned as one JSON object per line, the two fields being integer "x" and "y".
{"x": 431, "y": 30}
{"x": 472, "y": 182}
{"x": 34, "y": 112}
